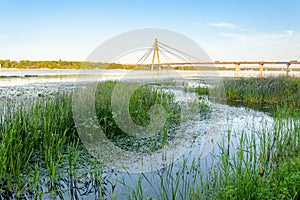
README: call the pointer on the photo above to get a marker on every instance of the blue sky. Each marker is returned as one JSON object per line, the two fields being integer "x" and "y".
{"x": 227, "y": 30}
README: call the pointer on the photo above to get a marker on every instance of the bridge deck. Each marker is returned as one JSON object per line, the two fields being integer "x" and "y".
{"x": 221, "y": 63}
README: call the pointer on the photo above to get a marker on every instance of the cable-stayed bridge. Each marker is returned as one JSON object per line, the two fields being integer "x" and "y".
{"x": 173, "y": 57}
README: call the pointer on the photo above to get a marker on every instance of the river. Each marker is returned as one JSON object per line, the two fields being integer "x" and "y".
{"x": 20, "y": 77}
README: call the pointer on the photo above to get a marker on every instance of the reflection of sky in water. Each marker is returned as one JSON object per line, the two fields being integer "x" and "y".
{"x": 238, "y": 120}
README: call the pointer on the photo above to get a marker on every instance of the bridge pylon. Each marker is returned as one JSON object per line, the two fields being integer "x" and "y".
{"x": 155, "y": 54}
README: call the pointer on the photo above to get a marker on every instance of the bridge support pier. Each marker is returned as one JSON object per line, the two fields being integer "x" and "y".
{"x": 237, "y": 70}
{"x": 288, "y": 68}
{"x": 261, "y": 69}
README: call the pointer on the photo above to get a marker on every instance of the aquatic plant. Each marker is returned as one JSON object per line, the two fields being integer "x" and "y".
{"x": 42, "y": 157}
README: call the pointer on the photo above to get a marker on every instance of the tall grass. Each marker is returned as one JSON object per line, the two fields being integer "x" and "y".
{"x": 260, "y": 164}
{"x": 271, "y": 91}
{"x": 42, "y": 157}
{"x": 41, "y": 137}
{"x": 264, "y": 165}
{"x": 140, "y": 102}
{"x": 34, "y": 135}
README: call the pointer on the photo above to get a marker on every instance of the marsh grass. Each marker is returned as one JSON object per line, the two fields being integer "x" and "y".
{"x": 34, "y": 136}
{"x": 202, "y": 90}
{"x": 263, "y": 165}
{"x": 271, "y": 91}
{"x": 41, "y": 136}
{"x": 140, "y": 102}
{"x": 39, "y": 142}
{"x": 257, "y": 92}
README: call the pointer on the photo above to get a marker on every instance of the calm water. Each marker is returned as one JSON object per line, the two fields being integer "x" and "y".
{"x": 22, "y": 77}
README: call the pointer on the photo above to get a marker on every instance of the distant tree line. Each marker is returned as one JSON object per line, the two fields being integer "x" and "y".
{"x": 59, "y": 64}
{"x": 27, "y": 64}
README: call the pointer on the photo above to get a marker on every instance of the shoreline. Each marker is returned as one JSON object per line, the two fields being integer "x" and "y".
{"x": 32, "y": 69}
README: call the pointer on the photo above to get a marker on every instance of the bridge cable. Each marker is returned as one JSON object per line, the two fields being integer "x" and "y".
{"x": 145, "y": 56}
{"x": 176, "y": 55}
{"x": 178, "y": 51}
{"x": 169, "y": 60}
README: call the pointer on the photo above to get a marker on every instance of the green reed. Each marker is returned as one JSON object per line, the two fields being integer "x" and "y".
{"x": 141, "y": 101}
{"x": 34, "y": 135}
{"x": 40, "y": 141}
{"x": 41, "y": 138}
{"x": 271, "y": 91}
{"x": 260, "y": 164}
{"x": 263, "y": 164}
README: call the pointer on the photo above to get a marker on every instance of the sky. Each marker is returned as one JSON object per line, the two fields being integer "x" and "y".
{"x": 256, "y": 30}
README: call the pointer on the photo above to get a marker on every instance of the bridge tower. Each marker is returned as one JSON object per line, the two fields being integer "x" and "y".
{"x": 155, "y": 54}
